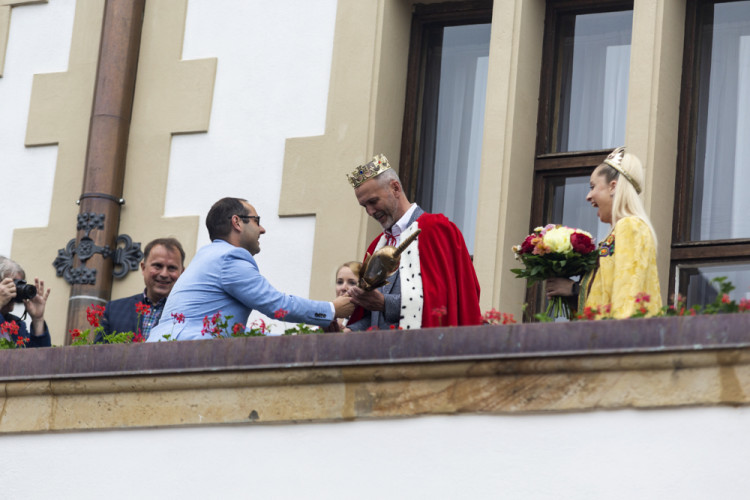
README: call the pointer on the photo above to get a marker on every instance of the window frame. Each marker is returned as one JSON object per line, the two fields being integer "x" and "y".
{"x": 685, "y": 251}
{"x": 547, "y": 163}
{"x": 425, "y": 18}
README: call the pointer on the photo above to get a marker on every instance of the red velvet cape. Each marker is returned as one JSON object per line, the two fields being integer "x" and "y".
{"x": 448, "y": 276}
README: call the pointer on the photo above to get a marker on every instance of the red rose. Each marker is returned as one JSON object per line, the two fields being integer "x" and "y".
{"x": 581, "y": 243}
{"x": 527, "y": 246}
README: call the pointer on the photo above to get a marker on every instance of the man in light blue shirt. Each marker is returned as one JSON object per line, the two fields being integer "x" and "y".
{"x": 224, "y": 278}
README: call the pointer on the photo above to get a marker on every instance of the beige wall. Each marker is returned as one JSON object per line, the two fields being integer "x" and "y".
{"x": 60, "y": 112}
{"x": 653, "y": 111}
{"x": 364, "y": 117}
{"x": 595, "y": 365}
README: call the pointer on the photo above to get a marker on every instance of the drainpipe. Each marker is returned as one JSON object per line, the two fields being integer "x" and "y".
{"x": 97, "y": 254}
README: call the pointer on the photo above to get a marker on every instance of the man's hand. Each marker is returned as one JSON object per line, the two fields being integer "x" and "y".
{"x": 558, "y": 287}
{"x": 343, "y": 306}
{"x": 35, "y": 308}
{"x": 7, "y": 291}
{"x": 372, "y": 301}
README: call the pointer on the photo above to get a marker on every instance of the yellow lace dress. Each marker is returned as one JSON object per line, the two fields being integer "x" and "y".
{"x": 623, "y": 273}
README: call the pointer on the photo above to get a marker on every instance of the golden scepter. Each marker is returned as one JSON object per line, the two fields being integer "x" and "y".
{"x": 383, "y": 263}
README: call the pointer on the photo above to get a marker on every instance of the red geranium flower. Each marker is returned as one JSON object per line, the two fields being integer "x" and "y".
{"x": 280, "y": 314}
{"x": 94, "y": 314}
{"x": 178, "y": 317}
{"x": 642, "y": 297}
{"x": 260, "y": 325}
{"x": 142, "y": 309}
{"x": 237, "y": 328}
{"x": 9, "y": 328}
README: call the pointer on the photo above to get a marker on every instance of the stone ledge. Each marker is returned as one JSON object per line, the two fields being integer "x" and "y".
{"x": 654, "y": 363}
{"x": 435, "y": 345}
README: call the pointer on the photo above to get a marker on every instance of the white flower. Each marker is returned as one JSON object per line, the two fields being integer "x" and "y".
{"x": 558, "y": 239}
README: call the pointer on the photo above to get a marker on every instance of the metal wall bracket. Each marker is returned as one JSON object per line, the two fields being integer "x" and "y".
{"x": 125, "y": 257}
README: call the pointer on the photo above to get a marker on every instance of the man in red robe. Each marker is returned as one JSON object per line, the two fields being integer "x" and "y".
{"x": 436, "y": 284}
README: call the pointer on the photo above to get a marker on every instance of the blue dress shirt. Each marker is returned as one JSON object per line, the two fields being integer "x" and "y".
{"x": 224, "y": 278}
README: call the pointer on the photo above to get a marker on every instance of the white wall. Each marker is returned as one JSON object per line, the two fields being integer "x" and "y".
{"x": 274, "y": 62}
{"x": 38, "y": 42}
{"x": 695, "y": 453}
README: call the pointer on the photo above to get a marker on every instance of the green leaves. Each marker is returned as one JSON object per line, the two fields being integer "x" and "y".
{"x": 554, "y": 265}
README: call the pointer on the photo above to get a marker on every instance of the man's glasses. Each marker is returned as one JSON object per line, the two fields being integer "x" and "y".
{"x": 246, "y": 218}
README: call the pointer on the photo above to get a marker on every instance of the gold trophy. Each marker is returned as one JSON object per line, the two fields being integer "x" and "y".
{"x": 383, "y": 263}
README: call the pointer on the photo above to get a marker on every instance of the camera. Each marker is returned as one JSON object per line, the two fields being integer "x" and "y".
{"x": 24, "y": 291}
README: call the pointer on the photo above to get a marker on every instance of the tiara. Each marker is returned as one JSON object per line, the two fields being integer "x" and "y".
{"x": 614, "y": 160}
{"x": 373, "y": 168}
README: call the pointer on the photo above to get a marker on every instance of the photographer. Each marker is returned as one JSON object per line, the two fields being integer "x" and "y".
{"x": 14, "y": 290}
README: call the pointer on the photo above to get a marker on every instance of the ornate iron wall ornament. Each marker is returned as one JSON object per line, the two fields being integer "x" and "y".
{"x": 125, "y": 257}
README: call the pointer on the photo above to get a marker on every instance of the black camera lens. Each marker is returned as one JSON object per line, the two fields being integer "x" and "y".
{"x": 24, "y": 291}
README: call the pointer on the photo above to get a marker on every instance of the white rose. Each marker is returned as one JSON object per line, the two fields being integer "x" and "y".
{"x": 558, "y": 240}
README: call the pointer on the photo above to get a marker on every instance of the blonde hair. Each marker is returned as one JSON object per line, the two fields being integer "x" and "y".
{"x": 354, "y": 265}
{"x": 626, "y": 202}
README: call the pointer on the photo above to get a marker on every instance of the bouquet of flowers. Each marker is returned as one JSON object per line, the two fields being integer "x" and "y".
{"x": 555, "y": 251}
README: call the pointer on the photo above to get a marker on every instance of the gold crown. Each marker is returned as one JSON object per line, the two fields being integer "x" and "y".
{"x": 373, "y": 168}
{"x": 614, "y": 160}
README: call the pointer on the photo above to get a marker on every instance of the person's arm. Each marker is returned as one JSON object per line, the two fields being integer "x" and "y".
{"x": 7, "y": 291}
{"x": 241, "y": 279}
{"x": 387, "y": 303}
{"x": 43, "y": 340}
{"x": 560, "y": 287}
{"x": 35, "y": 307}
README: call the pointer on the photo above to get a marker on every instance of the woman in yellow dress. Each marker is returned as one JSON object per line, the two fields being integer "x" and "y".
{"x": 626, "y": 278}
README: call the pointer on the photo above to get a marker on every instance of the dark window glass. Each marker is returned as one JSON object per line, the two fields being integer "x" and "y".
{"x": 444, "y": 115}
{"x": 695, "y": 282}
{"x": 722, "y": 144}
{"x": 712, "y": 229}
{"x": 592, "y": 81}
{"x": 582, "y": 111}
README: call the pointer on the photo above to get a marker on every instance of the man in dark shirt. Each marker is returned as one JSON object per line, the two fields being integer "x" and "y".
{"x": 13, "y": 327}
{"x": 163, "y": 262}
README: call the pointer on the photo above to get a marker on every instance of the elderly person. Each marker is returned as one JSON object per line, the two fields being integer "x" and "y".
{"x": 626, "y": 272}
{"x": 436, "y": 284}
{"x": 10, "y": 273}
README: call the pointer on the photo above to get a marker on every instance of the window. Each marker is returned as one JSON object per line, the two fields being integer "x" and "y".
{"x": 712, "y": 227}
{"x": 582, "y": 105}
{"x": 444, "y": 114}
